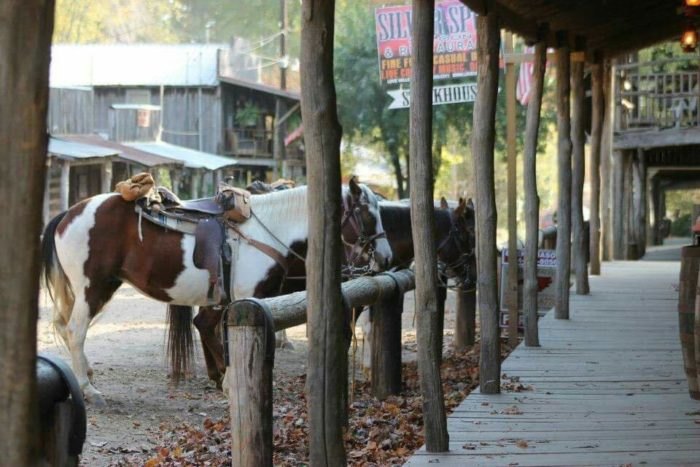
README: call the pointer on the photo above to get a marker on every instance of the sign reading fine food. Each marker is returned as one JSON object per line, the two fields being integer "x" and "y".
{"x": 441, "y": 95}
{"x": 454, "y": 42}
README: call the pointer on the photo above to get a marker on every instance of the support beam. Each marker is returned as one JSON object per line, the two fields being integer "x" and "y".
{"x": 629, "y": 236}
{"x": 106, "y": 176}
{"x": 64, "y": 189}
{"x": 564, "y": 180}
{"x": 605, "y": 164}
{"x": 327, "y": 371}
{"x": 598, "y": 116}
{"x": 25, "y": 40}
{"x": 618, "y": 205}
{"x": 423, "y": 226}
{"x": 640, "y": 202}
{"x": 511, "y": 128}
{"x": 578, "y": 142}
{"x": 483, "y": 138}
{"x": 532, "y": 200}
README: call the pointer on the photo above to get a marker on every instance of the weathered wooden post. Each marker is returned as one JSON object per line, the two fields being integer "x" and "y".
{"x": 483, "y": 140}
{"x": 687, "y": 294}
{"x": 327, "y": 371}
{"x": 578, "y": 142}
{"x": 422, "y": 225}
{"x": 605, "y": 162}
{"x": 25, "y": 40}
{"x": 465, "y": 319}
{"x": 386, "y": 342}
{"x": 595, "y": 157}
{"x": 563, "y": 55}
{"x": 250, "y": 358}
{"x": 532, "y": 200}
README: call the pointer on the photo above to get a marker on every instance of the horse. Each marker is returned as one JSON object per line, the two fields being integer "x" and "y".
{"x": 455, "y": 240}
{"x": 96, "y": 245}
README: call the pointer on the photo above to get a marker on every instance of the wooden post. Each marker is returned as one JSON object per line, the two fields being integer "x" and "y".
{"x": 106, "y": 176}
{"x": 640, "y": 202}
{"x": 629, "y": 247}
{"x": 251, "y": 347}
{"x": 175, "y": 176}
{"x": 422, "y": 225}
{"x": 441, "y": 295}
{"x": 327, "y": 326}
{"x": 483, "y": 138}
{"x": 597, "y": 117}
{"x": 25, "y": 39}
{"x": 195, "y": 180}
{"x": 578, "y": 142}
{"x": 46, "y": 203}
{"x": 618, "y": 229}
{"x": 386, "y": 345}
{"x": 64, "y": 190}
{"x": 511, "y": 124}
{"x": 532, "y": 200}
{"x": 605, "y": 161}
{"x": 465, "y": 319}
{"x": 563, "y": 54}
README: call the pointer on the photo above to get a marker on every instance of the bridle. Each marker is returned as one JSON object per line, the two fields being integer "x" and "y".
{"x": 461, "y": 265}
{"x": 364, "y": 242}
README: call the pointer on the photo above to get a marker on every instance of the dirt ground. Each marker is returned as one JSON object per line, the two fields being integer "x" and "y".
{"x": 126, "y": 347}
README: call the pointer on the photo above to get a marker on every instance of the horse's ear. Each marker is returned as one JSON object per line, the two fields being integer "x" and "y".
{"x": 443, "y": 203}
{"x": 354, "y": 186}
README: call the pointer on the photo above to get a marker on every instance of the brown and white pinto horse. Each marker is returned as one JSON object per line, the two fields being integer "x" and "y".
{"x": 455, "y": 241}
{"x": 100, "y": 243}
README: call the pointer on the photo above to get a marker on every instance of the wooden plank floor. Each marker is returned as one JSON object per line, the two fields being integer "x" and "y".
{"x": 606, "y": 388}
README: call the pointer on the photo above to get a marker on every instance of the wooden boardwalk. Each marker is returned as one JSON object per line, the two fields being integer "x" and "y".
{"x": 606, "y": 387}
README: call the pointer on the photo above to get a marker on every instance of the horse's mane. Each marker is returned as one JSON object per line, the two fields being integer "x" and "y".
{"x": 287, "y": 204}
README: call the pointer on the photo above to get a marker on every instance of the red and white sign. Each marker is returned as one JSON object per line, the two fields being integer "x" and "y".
{"x": 454, "y": 42}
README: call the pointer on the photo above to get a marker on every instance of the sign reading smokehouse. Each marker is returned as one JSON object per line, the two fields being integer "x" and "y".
{"x": 454, "y": 43}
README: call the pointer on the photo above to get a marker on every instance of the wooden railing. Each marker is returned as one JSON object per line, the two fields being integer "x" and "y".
{"x": 249, "y": 142}
{"x": 657, "y": 95}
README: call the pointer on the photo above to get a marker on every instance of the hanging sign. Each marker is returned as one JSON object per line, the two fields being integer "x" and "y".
{"x": 450, "y": 94}
{"x": 454, "y": 42}
{"x": 546, "y": 270}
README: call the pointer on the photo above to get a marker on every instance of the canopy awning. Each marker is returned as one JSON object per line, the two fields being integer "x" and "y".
{"x": 191, "y": 158}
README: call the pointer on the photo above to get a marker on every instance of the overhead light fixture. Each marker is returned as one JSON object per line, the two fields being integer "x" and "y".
{"x": 689, "y": 38}
{"x": 692, "y": 2}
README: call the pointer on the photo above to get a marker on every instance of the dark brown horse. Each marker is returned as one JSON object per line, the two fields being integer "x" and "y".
{"x": 455, "y": 240}
{"x": 95, "y": 246}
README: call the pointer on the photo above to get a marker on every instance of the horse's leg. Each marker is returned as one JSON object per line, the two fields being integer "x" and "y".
{"x": 366, "y": 325}
{"x": 281, "y": 340}
{"x": 206, "y": 322}
{"x": 76, "y": 331}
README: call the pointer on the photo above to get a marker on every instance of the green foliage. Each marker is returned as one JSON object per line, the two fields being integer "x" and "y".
{"x": 681, "y": 226}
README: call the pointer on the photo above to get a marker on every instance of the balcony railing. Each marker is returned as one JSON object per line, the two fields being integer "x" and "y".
{"x": 658, "y": 95}
{"x": 256, "y": 143}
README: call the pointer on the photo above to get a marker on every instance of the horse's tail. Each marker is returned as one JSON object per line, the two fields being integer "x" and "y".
{"x": 55, "y": 278}
{"x": 180, "y": 343}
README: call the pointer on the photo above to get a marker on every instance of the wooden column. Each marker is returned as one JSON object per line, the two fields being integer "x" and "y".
{"x": 598, "y": 114}
{"x": 422, "y": 225}
{"x": 386, "y": 345}
{"x": 46, "y": 203}
{"x": 640, "y": 202}
{"x": 465, "y": 319}
{"x": 532, "y": 200}
{"x": 327, "y": 371}
{"x": 64, "y": 189}
{"x": 578, "y": 142}
{"x": 629, "y": 228}
{"x": 605, "y": 162}
{"x": 511, "y": 124}
{"x": 106, "y": 176}
{"x": 563, "y": 55}
{"x": 483, "y": 137}
{"x": 251, "y": 347}
{"x": 195, "y": 183}
{"x": 175, "y": 176}
{"x": 618, "y": 226}
{"x": 25, "y": 39}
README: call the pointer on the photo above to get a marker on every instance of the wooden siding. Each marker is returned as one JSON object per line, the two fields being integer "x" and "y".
{"x": 70, "y": 111}
{"x": 606, "y": 387}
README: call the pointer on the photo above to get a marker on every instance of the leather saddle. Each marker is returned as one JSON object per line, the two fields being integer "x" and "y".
{"x": 206, "y": 219}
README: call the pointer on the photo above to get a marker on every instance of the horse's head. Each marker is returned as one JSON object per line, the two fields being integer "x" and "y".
{"x": 361, "y": 228}
{"x": 456, "y": 251}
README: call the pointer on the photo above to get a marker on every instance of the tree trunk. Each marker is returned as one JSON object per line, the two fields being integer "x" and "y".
{"x": 25, "y": 39}
{"x": 563, "y": 54}
{"x": 595, "y": 170}
{"x": 422, "y": 225}
{"x": 483, "y": 138}
{"x": 532, "y": 200}
{"x": 327, "y": 326}
{"x": 578, "y": 140}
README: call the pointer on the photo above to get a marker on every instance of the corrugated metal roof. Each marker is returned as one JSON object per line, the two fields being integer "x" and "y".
{"x": 192, "y": 159}
{"x": 128, "y": 153}
{"x": 73, "y": 150}
{"x": 134, "y": 64}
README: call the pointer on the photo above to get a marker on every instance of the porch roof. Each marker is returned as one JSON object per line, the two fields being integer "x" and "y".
{"x": 189, "y": 157}
{"x": 127, "y": 153}
{"x": 72, "y": 150}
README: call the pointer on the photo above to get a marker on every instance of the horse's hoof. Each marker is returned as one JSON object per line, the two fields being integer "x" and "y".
{"x": 96, "y": 400}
